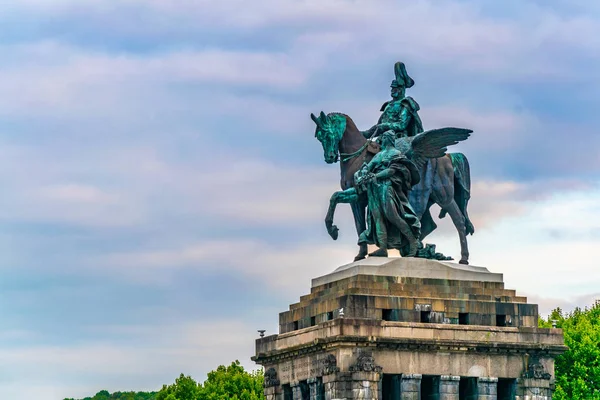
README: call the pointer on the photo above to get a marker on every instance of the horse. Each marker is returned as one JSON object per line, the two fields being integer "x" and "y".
{"x": 445, "y": 181}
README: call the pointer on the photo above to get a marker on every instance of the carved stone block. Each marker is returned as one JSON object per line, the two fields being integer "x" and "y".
{"x": 449, "y": 387}
{"x": 487, "y": 388}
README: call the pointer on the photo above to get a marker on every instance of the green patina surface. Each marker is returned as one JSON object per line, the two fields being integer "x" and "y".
{"x": 391, "y": 221}
{"x": 381, "y": 214}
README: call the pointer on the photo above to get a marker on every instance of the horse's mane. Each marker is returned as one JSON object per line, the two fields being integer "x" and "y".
{"x": 349, "y": 123}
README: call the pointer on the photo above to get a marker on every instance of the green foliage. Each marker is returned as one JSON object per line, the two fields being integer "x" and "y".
{"x": 578, "y": 369}
{"x": 232, "y": 383}
{"x": 184, "y": 388}
{"x": 224, "y": 383}
{"x": 105, "y": 395}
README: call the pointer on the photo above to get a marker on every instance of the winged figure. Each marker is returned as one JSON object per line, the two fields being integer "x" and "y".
{"x": 386, "y": 183}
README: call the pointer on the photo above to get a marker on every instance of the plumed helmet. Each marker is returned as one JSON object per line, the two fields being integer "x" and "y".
{"x": 402, "y": 78}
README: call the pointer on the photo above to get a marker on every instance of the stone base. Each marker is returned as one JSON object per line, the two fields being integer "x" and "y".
{"x": 409, "y": 267}
{"x": 410, "y": 329}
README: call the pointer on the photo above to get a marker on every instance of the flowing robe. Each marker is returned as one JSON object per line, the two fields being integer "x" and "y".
{"x": 388, "y": 200}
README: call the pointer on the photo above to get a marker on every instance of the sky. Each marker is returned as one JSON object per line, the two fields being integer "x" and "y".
{"x": 163, "y": 194}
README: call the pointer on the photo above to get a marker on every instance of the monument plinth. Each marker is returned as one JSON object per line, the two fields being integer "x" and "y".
{"x": 409, "y": 328}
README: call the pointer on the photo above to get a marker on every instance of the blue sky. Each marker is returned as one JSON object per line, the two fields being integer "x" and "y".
{"x": 163, "y": 193}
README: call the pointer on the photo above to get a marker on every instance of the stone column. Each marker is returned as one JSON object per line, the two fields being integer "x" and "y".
{"x": 534, "y": 389}
{"x": 487, "y": 388}
{"x": 449, "y": 387}
{"x": 366, "y": 385}
{"x": 316, "y": 389}
{"x": 271, "y": 393}
{"x": 536, "y": 382}
{"x": 296, "y": 392}
{"x": 365, "y": 378}
{"x": 338, "y": 385}
{"x": 411, "y": 387}
{"x": 272, "y": 389}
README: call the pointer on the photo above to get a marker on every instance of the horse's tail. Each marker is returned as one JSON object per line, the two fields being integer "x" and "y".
{"x": 462, "y": 187}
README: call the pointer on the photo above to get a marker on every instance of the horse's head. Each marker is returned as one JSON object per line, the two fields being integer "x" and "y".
{"x": 330, "y": 130}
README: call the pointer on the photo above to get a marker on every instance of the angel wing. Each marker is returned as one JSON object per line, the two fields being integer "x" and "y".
{"x": 431, "y": 144}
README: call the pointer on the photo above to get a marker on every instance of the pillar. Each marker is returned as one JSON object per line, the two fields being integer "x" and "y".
{"x": 534, "y": 389}
{"x": 338, "y": 386}
{"x": 536, "y": 382}
{"x": 410, "y": 386}
{"x": 317, "y": 391}
{"x": 271, "y": 384}
{"x": 449, "y": 387}
{"x": 272, "y": 393}
{"x": 487, "y": 388}
{"x": 366, "y": 385}
{"x": 296, "y": 391}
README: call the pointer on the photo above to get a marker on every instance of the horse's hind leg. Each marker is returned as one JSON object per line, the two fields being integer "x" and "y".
{"x": 459, "y": 222}
{"x": 359, "y": 212}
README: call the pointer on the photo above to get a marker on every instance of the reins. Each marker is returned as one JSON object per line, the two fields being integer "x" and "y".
{"x": 350, "y": 156}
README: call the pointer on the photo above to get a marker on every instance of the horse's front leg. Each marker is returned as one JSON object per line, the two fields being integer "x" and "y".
{"x": 344, "y": 196}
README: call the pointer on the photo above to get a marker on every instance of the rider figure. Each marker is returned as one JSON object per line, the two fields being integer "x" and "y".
{"x": 400, "y": 113}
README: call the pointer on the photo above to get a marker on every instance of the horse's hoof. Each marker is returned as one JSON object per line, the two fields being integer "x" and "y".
{"x": 464, "y": 262}
{"x": 333, "y": 232}
{"x": 379, "y": 253}
{"x": 412, "y": 250}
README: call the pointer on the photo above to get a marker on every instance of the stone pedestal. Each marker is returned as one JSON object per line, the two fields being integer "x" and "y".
{"x": 487, "y": 388}
{"x": 365, "y": 385}
{"x": 449, "y": 387}
{"x": 410, "y": 388}
{"x": 407, "y": 328}
{"x": 534, "y": 389}
{"x": 338, "y": 386}
{"x": 317, "y": 389}
{"x": 296, "y": 393}
{"x": 352, "y": 385}
{"x": 272, "y": 393}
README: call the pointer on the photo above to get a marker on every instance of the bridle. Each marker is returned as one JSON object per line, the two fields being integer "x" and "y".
{"x": 350, "y": 156}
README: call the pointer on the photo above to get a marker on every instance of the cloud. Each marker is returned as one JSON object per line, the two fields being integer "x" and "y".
{"x": 279, "y": 267}
{"x": 82, "y": 369}
{"x": 459, "y": 34}
{"x": 51, "y": 77}
{"x": 166, "y": 170}
{"x": 76, "y": 193}
{"x": 104, "y": 185}
{"x": 548, "y": 304}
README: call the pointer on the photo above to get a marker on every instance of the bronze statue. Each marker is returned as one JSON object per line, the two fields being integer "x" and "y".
{"x": 401, "y": 113}
{"x": 391, "y": 221}
{"x": 444, "y": 178}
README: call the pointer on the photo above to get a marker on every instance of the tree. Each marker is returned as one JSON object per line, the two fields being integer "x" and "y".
{"x": 232, "y": 383}
{"x": 578, "y": 369}
{"x": 224, "y": 383}
{"x": 184, "y": 388}
{"x": 105, "y": 395}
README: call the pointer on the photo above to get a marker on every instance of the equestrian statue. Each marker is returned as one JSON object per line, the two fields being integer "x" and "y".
{"x": 392, "y": 173}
